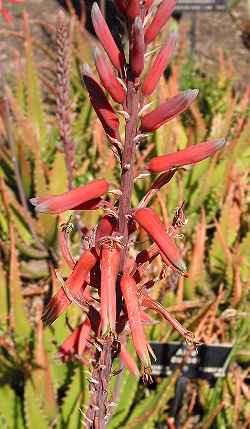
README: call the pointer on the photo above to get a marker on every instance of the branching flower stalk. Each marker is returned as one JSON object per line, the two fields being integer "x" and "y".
{"x": 117, "y": 308}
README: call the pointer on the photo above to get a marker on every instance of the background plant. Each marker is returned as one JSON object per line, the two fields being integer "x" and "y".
{"x": 65, "y": 384}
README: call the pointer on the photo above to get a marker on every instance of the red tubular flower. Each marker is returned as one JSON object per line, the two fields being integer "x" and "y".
{"x": 160, "y": 19}
{"x": 108, "y": 78}
{"x": 75, "y": 283}
{"x": 104, "y": 35}
{"x": 168, "y": 110}
{"x": 104, "y": 229}
{"x": 190, "y": 155}
{"x": 150, "y": 222}
{"x": 83, "y": 337}
{"x": 148, "y": 4}
{"x": 72, "y": 200}
{"x": 100, "y": 103}
{"x": 157, "y": 68}
{"x": 129, "y": 292}
{"x": 150, "y": 303}
{"x": 137, "y": 53}
{"x": 109, "y": 264}
{"x": 128, "y": 361}
{"x": 133, "y": 8}
{"x": 76, "y": 342}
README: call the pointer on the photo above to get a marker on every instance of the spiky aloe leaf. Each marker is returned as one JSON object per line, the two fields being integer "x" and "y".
{"x": 128, "y": 390}
{"x": 58, "y": 175}
{"x": 42, "y": 376}
{"x": 3, "y": 294}
{"x": 21, "y": 227}
{"x": 47, "y": 223}
{"x": 34, "y": 416}
{"x": 59, "y": 371}
{"x": 17, "y": 308}
{"x": 76, "y": 397}
{"x": 10, "y": 408}
{"x": 148, "y": 410}
{"x": 25, "y": 169}
{"x": 244, "y": 254}
{"x": 35, "y": 108}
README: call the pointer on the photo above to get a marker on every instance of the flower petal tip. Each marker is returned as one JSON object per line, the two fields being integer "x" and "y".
{"x": 220, "y": 143}
{"x": 34, "y": 201}
{"x": 182, "y": 266}
{"x": 192, "y": 93}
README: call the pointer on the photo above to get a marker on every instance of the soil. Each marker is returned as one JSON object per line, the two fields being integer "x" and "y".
{"x": 214, "y": 30}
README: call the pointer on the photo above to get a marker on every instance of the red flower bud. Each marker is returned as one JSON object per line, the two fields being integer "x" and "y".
{"x": 133, "y": 9}
{"x": 75, "y": 343}
{"x": 150, "y": 222}
{"x": 109, "y": 264}
{"x": 75, "y": 283}
{"x": 72, "y": 200}
{"x": 168, "y": 110}
{"x": 104, "y": 229}
{"x": 108, "y": 78}
{"x": 148, "y": 4}
{"x": 104, "y": 35}
{"x": 100, "y": 103}
{"x": 157, "y": 68}
{"x": 129, "y": 292}
{"x": 128, "y": 361}
{"x": 121, "y": 6}
{"x": 190, "y": 155}
{"x": 137, "y": 53}
{"x": 160, "y": 19}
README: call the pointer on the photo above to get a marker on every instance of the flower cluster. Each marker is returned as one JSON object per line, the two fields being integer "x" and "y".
{"x": 121, "y": 299}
